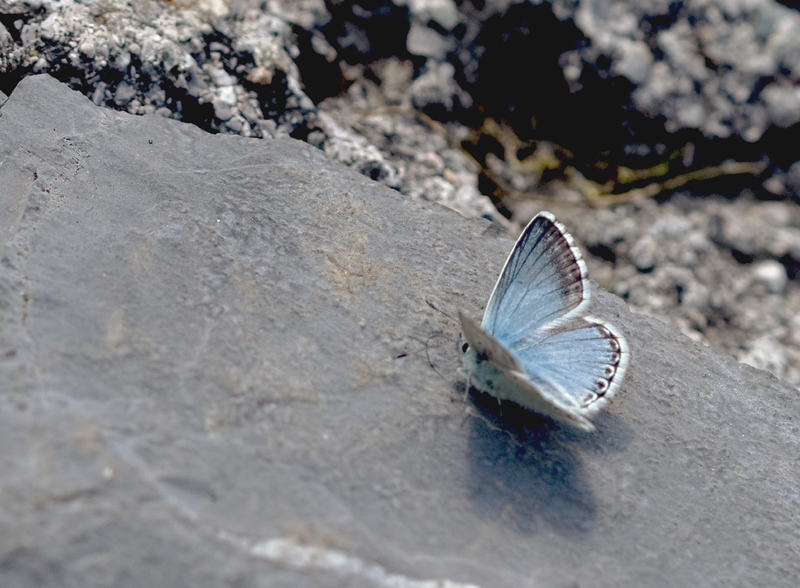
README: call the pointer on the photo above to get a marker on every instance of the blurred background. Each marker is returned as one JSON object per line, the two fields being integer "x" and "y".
{"x": 663, "y": 134}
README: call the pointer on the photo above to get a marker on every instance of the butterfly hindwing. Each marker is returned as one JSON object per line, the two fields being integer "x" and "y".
{"x": 584, "y": 361}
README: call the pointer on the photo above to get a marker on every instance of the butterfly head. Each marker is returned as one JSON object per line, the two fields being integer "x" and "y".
{"x": 477, "y": 346}
{"x": 470, "y": 358}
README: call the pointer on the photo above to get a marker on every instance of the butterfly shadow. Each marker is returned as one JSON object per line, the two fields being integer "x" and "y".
{"x": 526, "y": 470}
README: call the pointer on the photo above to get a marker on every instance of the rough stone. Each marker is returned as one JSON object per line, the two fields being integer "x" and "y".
{"x": 220, "y": 366}
{"x": 771, "y": 275}
{"x": 721, "y": 269}
{"x": 709, "y": 60}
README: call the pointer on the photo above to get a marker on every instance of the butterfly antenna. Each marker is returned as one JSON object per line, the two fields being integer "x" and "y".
{"x": 428, "y": 355}
{"x": 427, "y": 349}
{"x": 433, "y": 306}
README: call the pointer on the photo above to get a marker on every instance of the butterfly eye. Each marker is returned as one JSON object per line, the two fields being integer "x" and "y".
{"x": 464, "y": 347}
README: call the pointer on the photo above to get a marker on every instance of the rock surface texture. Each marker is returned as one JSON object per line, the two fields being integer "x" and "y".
{"x": 220, "y": 367}
{"x": 498, "y": 109}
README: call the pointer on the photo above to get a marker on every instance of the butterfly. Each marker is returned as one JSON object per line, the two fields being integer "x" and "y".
{"x": 536, "y": 345}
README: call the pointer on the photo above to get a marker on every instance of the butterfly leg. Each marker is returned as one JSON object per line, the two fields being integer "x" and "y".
{"x": 467, "y": 387}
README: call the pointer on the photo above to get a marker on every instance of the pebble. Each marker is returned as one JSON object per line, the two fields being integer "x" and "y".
{"x": 772, "y": 275}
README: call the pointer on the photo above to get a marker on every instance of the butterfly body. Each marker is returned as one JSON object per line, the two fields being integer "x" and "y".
{"x": 536, "y": 346}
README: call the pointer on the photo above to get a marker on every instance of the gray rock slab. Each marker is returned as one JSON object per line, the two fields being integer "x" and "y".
{"x": 220, "y": 366}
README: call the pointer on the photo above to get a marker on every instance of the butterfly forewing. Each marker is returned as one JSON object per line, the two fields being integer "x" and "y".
{"x": 542, "y": 283}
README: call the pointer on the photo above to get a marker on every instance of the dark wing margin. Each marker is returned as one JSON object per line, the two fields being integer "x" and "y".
{"x": 543, "y": 283}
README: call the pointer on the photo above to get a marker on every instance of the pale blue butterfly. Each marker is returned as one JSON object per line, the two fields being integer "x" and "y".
{"x": 536, "y": 346}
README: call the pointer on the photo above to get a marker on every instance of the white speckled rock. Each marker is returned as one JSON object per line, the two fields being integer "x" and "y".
{"x": 771, "y": 275}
